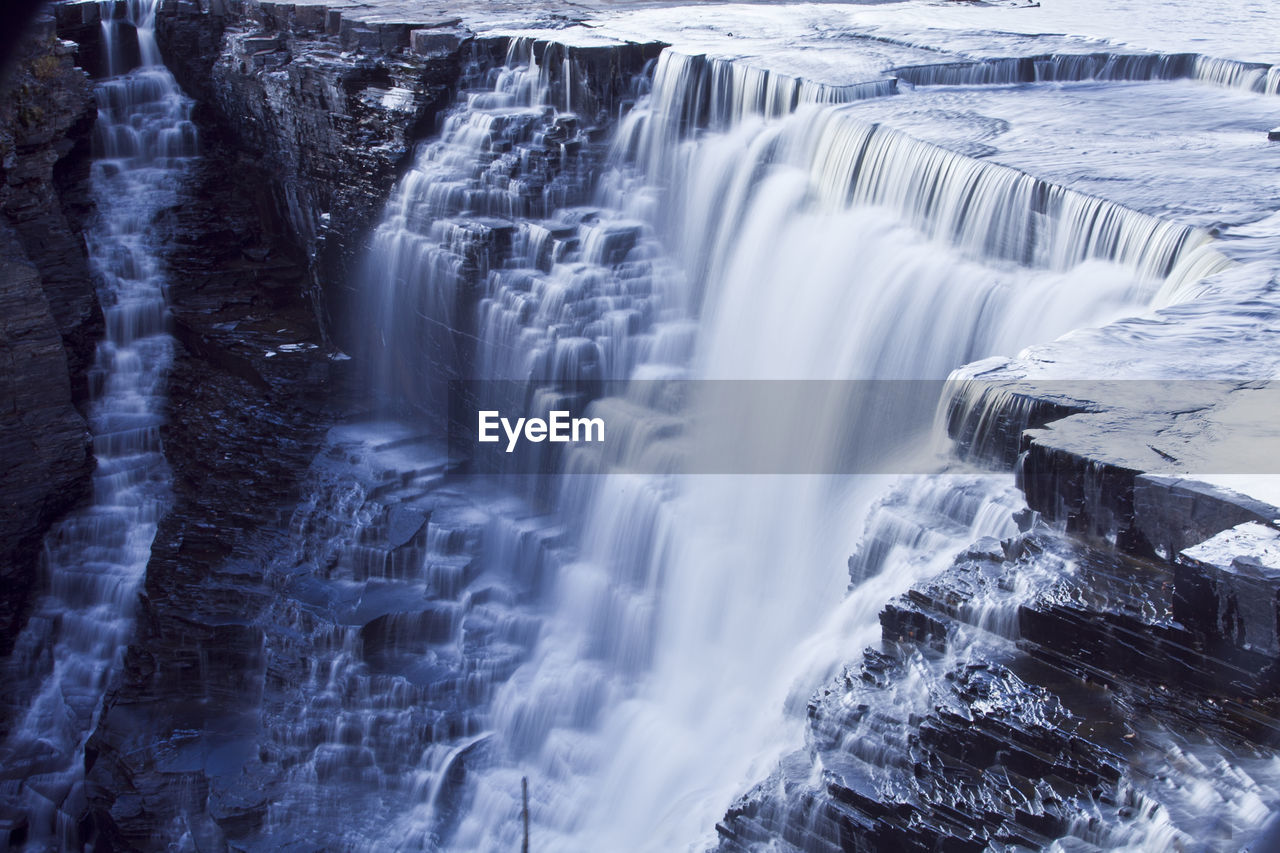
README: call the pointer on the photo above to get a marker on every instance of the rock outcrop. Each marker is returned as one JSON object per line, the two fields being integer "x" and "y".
{"x": 325, "y": 102}
{"x": 49, "y": 314}
{"x": 1039, "y": 690}
{"x": 325, "y": 120}
{"x": 219, "y": 710}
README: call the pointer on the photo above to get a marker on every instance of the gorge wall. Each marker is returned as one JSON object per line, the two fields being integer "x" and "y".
{"x": 323, "y": 129}
{"x": 51, "y": 319}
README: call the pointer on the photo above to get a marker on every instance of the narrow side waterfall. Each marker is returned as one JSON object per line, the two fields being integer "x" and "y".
{"x": 95, "y": 559}
{"x": 744, "y": 228}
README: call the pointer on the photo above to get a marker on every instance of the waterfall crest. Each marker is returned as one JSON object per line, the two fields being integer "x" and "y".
{"x": 1103, "y": 66}
{"x": 990, "y": 211}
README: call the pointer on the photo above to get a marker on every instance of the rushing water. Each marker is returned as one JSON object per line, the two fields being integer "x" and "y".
{"x": 746, "y": 227}
{"x": 96, "y": 558}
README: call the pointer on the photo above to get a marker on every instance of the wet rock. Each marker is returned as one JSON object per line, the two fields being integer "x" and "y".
{"x": 332, "y": 100}
{"x": 1121, "y": 461}
{"x": 240, "y": 796}
{"x": 408, "y": 632}
{"x": 250, "y": 395}
{"x": 13, "y": 829}
{"x": 1230, "y": 590}
{"x": 49, "y": 314}
{"x": 988, "y": 411}
{"x": 909, "y": 625}
{"x": 81, "y": 23}
{"x": 433, "y": 43}
{"x": 609, "y": 245}
{"x": 1173, "y": 513}
{"x": 403, "y": 523}
{"x": 329, "y": 128}
{"x": 1023, "y": 697}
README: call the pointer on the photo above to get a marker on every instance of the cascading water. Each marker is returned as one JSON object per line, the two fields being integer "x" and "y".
{"x": 96, "y": 558}
{"x": 391, "y": 699}
{"x": 1228, "y": 73}
{"x": 744, "y": 232}
{"x": 485, "y": 210}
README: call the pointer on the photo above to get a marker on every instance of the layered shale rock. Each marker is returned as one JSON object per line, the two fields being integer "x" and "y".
{"x": 324, "y": 102}
{"x": 1139, "y": 463}
{"x": 1038, "y": 691}
{"x": 322, "y": 120}
{"x": 304, "y": 675}
{"x": 49, "y": 315}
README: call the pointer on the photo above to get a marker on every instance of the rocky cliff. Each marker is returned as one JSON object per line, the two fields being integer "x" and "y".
{"x": 305, "y": 121}
{"x": 320, "y": 116}
{"x": 1036, "y": 690}
{"x": 49, "y": 315}
{"x": 251, "y": 394}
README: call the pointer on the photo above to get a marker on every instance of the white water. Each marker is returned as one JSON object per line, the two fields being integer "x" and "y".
{"x": 96, "y": 558}
{"x": 681, "y": 643}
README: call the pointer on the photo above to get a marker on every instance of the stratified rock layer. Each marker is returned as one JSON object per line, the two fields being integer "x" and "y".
{"x": 282, "y": 549}
{"x": 250, "y": 396}
{"x": 1035, "y": 691}
{"x": 325, "y": 128}
{"x": 49, "y": 315}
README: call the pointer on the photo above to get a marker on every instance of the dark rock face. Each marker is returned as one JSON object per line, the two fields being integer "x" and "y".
{"x": 303, "y": 673}
{"x": 1108, "y": 461}
{"x": 326, "y": 108}
{"x": 1172, "y": 514}
{"x": 295, "y": 654}
{"x": 49, "y": 314}
{"x": 251, "y": 394}
{"x": 50, "y": 110}
{"x": 327, "y": 131}
{"x": 238, "y": 693}
{"x": 1228, "y": 593}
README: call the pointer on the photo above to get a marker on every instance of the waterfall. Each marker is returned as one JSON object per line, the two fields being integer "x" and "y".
{"x": 744, "y": 227}
{"x": 96, "y": 558}
{"x": 497, "y": 185}
{"x": 1106, "y": 66}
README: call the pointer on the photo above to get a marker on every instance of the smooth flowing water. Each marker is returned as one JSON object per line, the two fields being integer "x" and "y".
{"x": 744, "y": 228}
{"x": 96, "y": 558}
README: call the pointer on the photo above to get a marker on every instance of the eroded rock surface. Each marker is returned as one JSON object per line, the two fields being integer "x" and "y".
{"x": 250, "y": 395}
{"x": 49, "y": 315}
{"x": 324, "y": 124}
{"x": 1036, "y": 691}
